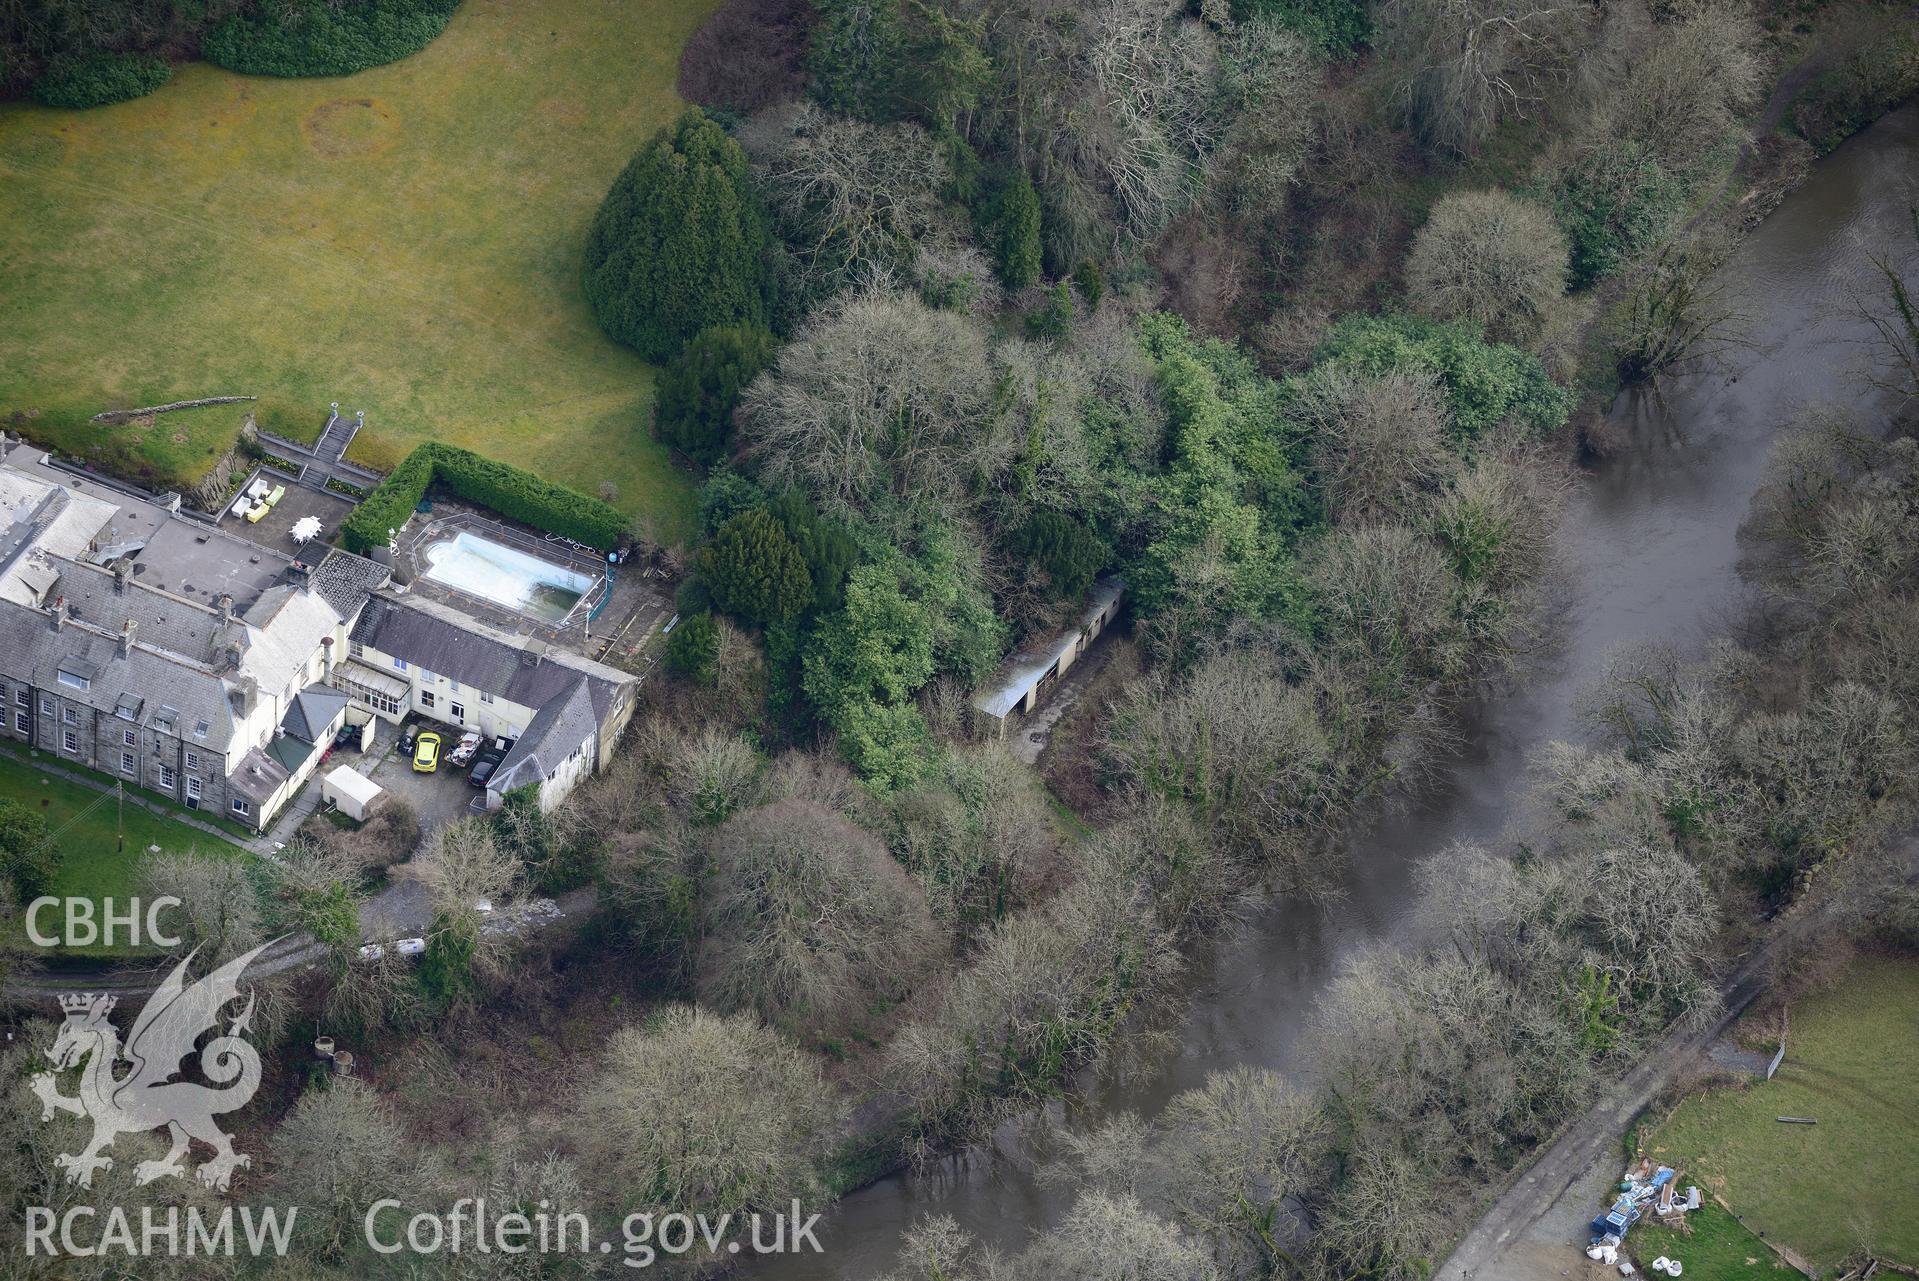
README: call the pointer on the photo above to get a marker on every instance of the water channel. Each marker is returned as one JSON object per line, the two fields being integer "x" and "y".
{"x": 1651, "y": 541}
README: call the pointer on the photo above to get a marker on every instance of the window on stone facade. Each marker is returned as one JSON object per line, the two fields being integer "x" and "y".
{"x": 20, "y": 697}
{"x": 129, "y": 738}
{"x": 127, "y": 764}
{"x": 20, "y": 721}
{"x": 166, "y": 777}
{"x": 241, "y": 805}
{"x": 70, "y": 715}
{"x": 46, "y": 705}
{"x": 70, "y": 743}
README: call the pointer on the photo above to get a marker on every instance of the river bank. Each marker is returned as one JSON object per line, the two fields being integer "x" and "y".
{"x": 1652, "y": 543}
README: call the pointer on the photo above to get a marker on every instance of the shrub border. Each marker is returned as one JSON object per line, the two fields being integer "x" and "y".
{"x": 515, "y": 494}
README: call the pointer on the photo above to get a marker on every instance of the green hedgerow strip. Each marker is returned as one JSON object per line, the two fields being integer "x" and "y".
{"x": 514, "y": 494}
{"x": 316, "y": 38}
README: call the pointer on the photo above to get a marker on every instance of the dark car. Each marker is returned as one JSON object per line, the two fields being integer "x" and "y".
{"x": 484, "y": 765}
{"x": 407, "y": 735}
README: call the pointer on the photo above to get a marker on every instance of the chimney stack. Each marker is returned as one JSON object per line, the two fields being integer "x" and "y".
{"x": 122, "y": 571}
{"x": 326, "y": 658}
{"x": 126, "y": 637}
{"x": 226, "y": 608}
{"x": 57, "y": 616}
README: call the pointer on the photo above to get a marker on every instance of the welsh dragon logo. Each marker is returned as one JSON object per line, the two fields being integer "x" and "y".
{"x": 148, "y": 1097}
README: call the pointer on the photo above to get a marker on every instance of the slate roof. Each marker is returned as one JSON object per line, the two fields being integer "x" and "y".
{"x": 441, "y": 639}
{"x": 557, "y": 730}
{"x": 345, "y": 581}
{"x": 185, "y": 627}
{"x": 284, "y": 630}
{"x": 258, "y": 776}
{"x": 146, "y": 679}
{"x": 312, "y": 711}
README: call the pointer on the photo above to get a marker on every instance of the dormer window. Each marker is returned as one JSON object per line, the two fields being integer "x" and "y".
{"x": 72, "y": 681}
{"x": 200, "y": 728}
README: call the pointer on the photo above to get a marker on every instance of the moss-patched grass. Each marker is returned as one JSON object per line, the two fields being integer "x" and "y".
{"x": 88, "y": 824}
{"x": 1712, "y": 1245}
{"x": 1852, "y": 1064}
{"x": 406, "y": 240}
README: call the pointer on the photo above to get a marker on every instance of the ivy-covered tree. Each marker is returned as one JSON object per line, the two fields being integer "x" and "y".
{"x": 1485, "y": 382}
{"x": 693, "y": 647}
{"x": 828, "y": 546}
{"x": 680, "y": 243}
{"x": 855, "y": 55}
{"x": 1013, "y": 230}
{"x": 694, "y": 412}
{"x": 862, "y": 669}
{"x": 754, "y": 571}
{"x": 1063, "y": 549}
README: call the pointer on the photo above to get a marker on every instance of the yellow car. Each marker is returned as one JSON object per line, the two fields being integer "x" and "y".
{"x": 426, "y": 753}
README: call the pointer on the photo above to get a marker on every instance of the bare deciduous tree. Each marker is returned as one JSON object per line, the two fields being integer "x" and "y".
{"x": 854, "y": 199}
{"x": 219, "y": 910}
{"x": 878, "y": 395}
{"x": 698, "y": 1111}
{"x": 1235, "y": 1151}
{"x": 1465, "y": 65}
{"x": 1379, "y": 444}
{"x": 1492, "y": 259}
{"x": 1042, "y": 995}
{"x": 337, "y": 1152}
{"x": 808, "y": 916}
{"x": 1112, "y": 1237}
{"x": 1684, "y": 82}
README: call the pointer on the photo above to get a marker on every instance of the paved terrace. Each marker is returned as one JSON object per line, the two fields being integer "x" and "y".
{"x": 273, "y": 531}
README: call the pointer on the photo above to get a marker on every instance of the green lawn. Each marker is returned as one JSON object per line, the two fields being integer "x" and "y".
{"x": 406, "y": 240}
{"x": 92, "y": 863}
{"x": 1852, "y": 1062}
{"x": 1714, "y": 1246}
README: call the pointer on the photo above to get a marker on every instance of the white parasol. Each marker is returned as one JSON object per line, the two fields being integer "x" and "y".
{"x": 307, "y": 527}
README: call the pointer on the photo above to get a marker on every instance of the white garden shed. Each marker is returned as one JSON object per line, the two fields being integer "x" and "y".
{"x": 352, "y": 791}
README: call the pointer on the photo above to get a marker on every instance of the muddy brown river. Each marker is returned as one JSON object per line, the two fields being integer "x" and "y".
{"x": 1651, "y": 541}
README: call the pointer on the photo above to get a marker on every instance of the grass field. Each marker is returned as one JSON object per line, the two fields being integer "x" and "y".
{"x": 92, "y": 865}
{"x": 1852, "y": 1063}
{"x": 1714, "y": 1247}
{"x": 405, "y": 241}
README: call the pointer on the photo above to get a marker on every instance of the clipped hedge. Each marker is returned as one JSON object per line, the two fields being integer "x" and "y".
{"x": 315, "y": 38}
{"x": 96, "y": 79}
{"x": 514, "y": 494}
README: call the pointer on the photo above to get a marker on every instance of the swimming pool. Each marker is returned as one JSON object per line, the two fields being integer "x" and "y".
{"x": 478, "y": 566}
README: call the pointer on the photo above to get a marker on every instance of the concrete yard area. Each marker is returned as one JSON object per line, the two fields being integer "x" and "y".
{"x": 437, "y": 798}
